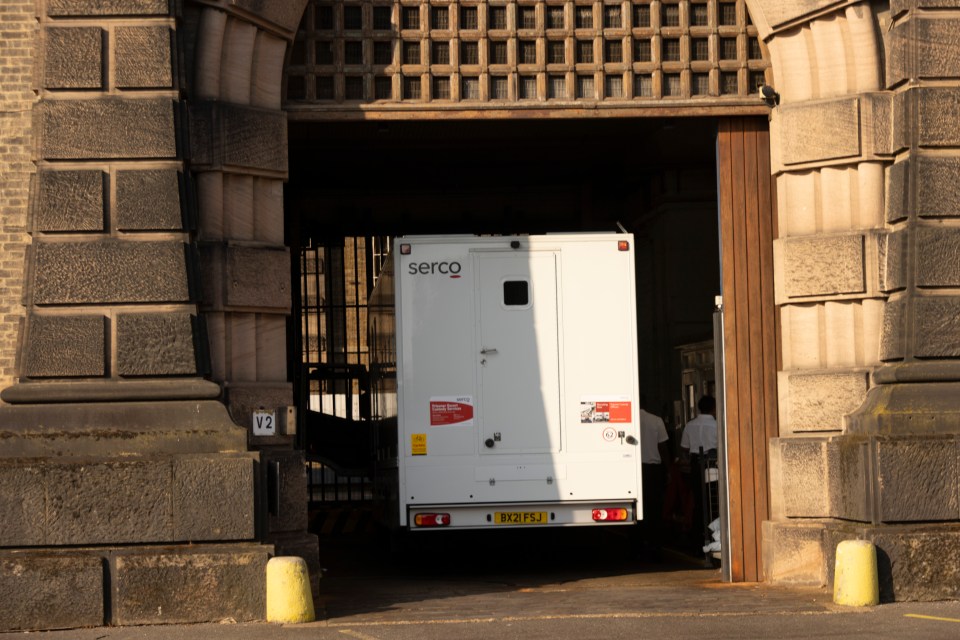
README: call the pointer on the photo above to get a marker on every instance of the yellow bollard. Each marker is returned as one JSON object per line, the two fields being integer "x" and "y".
{"x": 288, "y": 591}
{"x": 855, "y": 581}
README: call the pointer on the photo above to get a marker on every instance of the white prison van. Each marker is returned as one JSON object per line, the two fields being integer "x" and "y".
{"x": 504, "y": 382}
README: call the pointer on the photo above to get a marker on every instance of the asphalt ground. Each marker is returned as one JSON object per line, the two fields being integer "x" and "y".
{"x": 557, "y": 586}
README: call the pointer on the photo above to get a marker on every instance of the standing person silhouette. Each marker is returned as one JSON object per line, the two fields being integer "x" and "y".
{"x": 655, "y": 456}
{"x": 699, "y": 435}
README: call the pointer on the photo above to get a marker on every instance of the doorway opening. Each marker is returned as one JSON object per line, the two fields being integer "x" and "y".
{"x": 356, "y": 185}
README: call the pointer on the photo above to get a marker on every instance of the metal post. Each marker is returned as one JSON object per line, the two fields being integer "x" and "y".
{"x": 721, "y": 390}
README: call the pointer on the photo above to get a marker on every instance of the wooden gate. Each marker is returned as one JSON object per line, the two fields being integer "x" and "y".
{"x": 751, "y": 332}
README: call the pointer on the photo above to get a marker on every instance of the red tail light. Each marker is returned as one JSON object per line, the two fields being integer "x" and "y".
{"x": 432, "y": 520}
{"x": 609, "y": 515}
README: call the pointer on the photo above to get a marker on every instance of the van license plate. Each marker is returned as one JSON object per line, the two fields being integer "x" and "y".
{"x": 520, "y": 517}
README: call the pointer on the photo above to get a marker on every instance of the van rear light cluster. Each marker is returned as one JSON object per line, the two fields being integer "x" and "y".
{"x": 432, "y": 520}
{"x": 609, "y": 515}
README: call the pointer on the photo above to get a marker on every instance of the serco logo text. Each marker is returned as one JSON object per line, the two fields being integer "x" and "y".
{"x": 427, "y": 268}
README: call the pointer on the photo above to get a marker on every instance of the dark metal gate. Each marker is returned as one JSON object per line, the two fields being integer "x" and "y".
{"x": 336, "y": 277}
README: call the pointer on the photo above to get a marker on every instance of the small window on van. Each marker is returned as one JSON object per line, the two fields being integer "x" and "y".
{"x": 516, "y": 293}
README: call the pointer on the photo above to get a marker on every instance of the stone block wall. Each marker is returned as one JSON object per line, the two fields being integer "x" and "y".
{"x": 113, "y": 435}
{"x": 867, "y": 286}
{"x": 831, "y": 144}
{"x": 18, "y": 48}
{"x": 238, "y": 146}
{"x": 98, "y": 586}
{"x": 113, "y": 289}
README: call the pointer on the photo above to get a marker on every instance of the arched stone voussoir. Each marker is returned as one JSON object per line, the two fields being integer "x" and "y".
{"x": 282, "y": 15}
{"x": 772, "y": 15}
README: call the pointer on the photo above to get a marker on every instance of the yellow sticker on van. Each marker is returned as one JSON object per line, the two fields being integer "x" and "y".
{"x": 418, "y": 444}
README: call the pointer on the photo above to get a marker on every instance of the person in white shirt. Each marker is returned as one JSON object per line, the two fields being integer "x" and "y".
{"x": 654, "y": 455}
{"x": 700, "y": 434}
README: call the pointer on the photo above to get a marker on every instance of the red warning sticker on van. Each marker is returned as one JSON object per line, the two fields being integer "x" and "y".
{"x": 451, "y": 410}
{"x": 612, "y": 410}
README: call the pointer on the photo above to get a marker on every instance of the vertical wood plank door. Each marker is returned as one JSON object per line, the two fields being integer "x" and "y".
{"x": 751, "y": 331}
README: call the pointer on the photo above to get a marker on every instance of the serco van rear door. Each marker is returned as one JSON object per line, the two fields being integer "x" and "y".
{"x": 518, "y": 352}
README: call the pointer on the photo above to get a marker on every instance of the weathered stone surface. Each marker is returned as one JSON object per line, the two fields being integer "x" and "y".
{"x": 107, "y": 128}
{"x": 823, "y": 265}
{"x": 164, "y": 586}
{"x": 149, "y": 200}
{"x": 937, "y": 327}
{"x": 23, "y": 505}
{"x": 804, "y": 469}
{"x": 290, "y": 514}
{"x": 898, "y": 190}
{"x": 65, "y": 346}
{"x": 938, "y": 111}
{"x": 283, "y": 14}
{"x": 73, "y": 58}
{"x": 914, "y": 562}
{"x": 936, "y": 50}
{"x": 156, "y": 344}
{"x": 903, "y": 120}
{"x": 116, "y": 428}
{"x": 108, "y": 502}
{"x": 230, "y": 136}
{"x": 258, "y": 278}
{"x": 917, "y": 479}
{"x": 213, "y": 498}
{"x": 891, "y": 335}
{"x": 819, "y": 401}
{"x": 919, "y": 563}
{"x": 48, "y": 590}
{"x": 938, "y": 186}
{"x": 793, "y": 553}
{"x": 849, "y": 481}
{"x": 927, "y": 408}
{"x": 899, "y": 6}
{"x": 180, "y": 498}
{"x": 69, "y": 201}
{"x": 837, "y": 123}
{"x": 778, "y": 12}
{"x": 822, "y": 478}
{"x": 878, "y": 111}
{"x": 107, "y": 7}
{"x": 143, "y": 57}
{"x": 110, "y": 271}
{"x": 893, "y": 257}
{"x": 937, "y": 263}
{"x": 937, "y": 42}
{"x": 899, "y": 59}
{"x": 237, "y": 277}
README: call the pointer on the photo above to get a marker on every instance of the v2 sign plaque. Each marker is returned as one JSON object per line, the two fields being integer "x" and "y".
{"x": 264, "y": 423}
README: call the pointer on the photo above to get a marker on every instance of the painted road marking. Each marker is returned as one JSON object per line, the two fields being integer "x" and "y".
{"x": 356, "y": 634}
{"x": 345, "y": 626}
{"x": 917, "y": 615}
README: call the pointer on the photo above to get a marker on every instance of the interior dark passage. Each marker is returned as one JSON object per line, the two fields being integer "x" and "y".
{"x": 656, "y": 177}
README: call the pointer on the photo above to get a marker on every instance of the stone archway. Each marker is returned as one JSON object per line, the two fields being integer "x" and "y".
{"x": 865, "y": 159}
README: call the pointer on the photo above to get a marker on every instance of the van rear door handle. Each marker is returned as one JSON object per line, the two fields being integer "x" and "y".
{"x": 487, "y": 352}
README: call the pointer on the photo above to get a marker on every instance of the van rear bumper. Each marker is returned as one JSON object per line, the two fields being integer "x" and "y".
{"x": 520, "y": 515}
